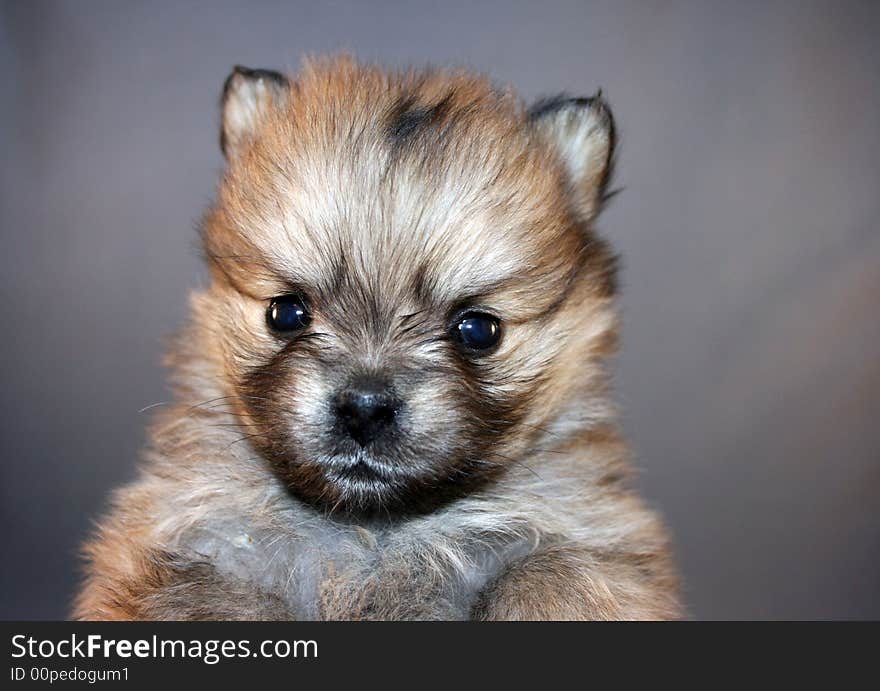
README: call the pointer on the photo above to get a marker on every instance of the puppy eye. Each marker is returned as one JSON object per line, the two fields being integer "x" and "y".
{"x": 477, "y": 331}
{"x": 288, "y": 313}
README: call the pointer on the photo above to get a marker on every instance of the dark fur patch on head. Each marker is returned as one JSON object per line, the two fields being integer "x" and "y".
{"x": 420, "y": 283}
{"x": 407, "y": 119}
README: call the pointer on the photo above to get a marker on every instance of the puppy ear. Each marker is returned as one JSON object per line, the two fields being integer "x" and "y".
{"x": 581, "y": 132}
{"x": 247, "y": 95}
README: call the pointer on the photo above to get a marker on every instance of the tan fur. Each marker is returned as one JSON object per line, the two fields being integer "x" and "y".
{"x": 482, "y": 203}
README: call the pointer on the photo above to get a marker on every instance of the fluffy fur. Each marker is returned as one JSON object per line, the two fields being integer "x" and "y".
{"x": 391, "y": 202}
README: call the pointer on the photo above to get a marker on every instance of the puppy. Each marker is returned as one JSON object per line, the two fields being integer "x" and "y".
{"x": 390, "y": 400}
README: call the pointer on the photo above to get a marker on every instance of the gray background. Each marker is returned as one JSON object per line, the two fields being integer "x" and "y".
{"x": 750, "y": 373}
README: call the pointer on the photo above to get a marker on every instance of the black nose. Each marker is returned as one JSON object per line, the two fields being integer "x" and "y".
{"x": 366, "y": 410}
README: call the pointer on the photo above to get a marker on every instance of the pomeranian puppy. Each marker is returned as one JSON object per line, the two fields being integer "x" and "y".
{"x": 390, "y": 400}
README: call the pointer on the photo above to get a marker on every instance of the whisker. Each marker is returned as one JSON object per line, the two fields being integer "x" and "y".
{"x": 517, "y": 462}
{"x": 543, "y": 429}
{"x": 218, "y": 399}
{"x": 235, "y": 424}
{"x": 153, "y": 405}
{"x": 248, "y": 436}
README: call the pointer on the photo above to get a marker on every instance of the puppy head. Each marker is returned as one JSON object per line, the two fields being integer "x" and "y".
{"x": 406, "y": 290}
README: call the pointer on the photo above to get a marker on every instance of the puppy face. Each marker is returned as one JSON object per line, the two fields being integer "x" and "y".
{"x": 406, "y": 290}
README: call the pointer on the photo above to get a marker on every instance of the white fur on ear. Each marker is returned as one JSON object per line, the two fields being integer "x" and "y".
{"x": 581, "y": 132}
{"x": 247, "y": 94}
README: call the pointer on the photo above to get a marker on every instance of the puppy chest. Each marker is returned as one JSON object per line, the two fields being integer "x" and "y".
{"x": 355, "y": 573}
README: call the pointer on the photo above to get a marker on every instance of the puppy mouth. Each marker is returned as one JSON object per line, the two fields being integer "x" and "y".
{"x": 362, "y": 470}
{"x": 367, "y": 482}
